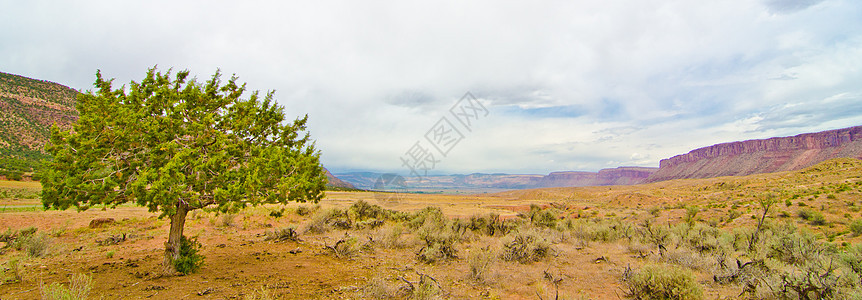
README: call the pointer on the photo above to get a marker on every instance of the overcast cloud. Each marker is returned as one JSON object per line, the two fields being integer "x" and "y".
{"x": 569, "y": 85}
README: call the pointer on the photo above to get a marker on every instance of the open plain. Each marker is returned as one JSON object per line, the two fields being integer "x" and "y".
{"x": 529, "y": 244}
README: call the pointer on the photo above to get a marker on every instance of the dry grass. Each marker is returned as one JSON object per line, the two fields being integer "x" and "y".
{"x": 590, "y": 235}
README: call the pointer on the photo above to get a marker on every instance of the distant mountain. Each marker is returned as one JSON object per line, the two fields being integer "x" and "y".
{"x": 762, "y": 156}
{"x": 337, "y": 183}
{"x": 28, "y": 108}
{"x": 726, "y": 159}
{"x": 617, "y": 176}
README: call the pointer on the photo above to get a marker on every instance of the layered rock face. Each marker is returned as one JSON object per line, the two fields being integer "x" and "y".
{"x": 762, "y": 156}
{"x": 617, "y": 176}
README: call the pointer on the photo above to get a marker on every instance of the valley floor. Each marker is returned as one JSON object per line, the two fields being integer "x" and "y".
{"x": 578, "y": 243}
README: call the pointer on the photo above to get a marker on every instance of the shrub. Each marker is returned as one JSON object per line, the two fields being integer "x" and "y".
{"x": 796, "y": 248}
{"x": 391, "y": 237}
{"x": 323, "y": 220}
{"x": 852, "y": 258}
{"x": 302, "y": 210}
{"x": 13, "y": 266}
{"x": 439, "y": 244}
{"x": 817, "y": 279}
{"x": 346, "y": 247}
{"x": 691, "y": 215}
{"x": 855, "y": 227}
{"x": 79, "y": 288}
{"x": 426, "y": 288}
{"x": 541, "y": 217}
{"x": 227, "y": 220}
{"x": 491, "y": 224}
{"x": 600, "y": 230}
{"x": 525, "y": 248}
{"x": 661, "y": 282}
{"x": 379, "y": 288}
{"x": 283, "y": 234}
{"x": 364, "y": 211}
{"x": 8, "y": 236}
{"x": 815, "y": 217}
{"x": 427, "y": 215}
{"x": 732, "y": 214}
{"x": 703, "y": 238}
{"x": 686, "y": 258}
{"x": 189, "y": 261}
{"x": 277, "y": 213}
{"x": 35, "y": 245}
{"x": 480, "y": 264}
{"x": 494, "y": 225}
{"x": 656, "y": 235}
{"x": 546, "y": 218}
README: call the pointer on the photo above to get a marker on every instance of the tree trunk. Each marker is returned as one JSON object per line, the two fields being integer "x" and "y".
{"x": 172, "y": 246}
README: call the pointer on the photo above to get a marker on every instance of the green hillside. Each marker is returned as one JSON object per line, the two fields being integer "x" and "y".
{"x": 28, "y": 108}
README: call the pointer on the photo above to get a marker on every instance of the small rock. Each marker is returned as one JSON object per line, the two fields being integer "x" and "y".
{"x": 205, "y": 292}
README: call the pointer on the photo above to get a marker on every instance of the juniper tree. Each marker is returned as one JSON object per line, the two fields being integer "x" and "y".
{"x": 173, "y": 145}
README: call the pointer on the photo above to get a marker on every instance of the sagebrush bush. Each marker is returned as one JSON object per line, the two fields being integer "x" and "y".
{"x": 796, "y": 248}
{"x": 438, "y": 242}
{"x": 662, "y": 282}
{"x": 78, "y": 288}
{"x": 546, "y": 218}
{"x": 12, "y": 271}
{"x": 427, "y": 288}
{"x": 379, "y": 288}
{"x": 604, "y": 230}
{"x": 815, "y": 217}
{"x": 346, "y": 247}
{"x": 227, "y": 220}
{"x": 686, "y": 258}
{"x": 365, "y": 211}
{"x": 284, "y": 234}
{"x": 189, "y": 261}
{"x": 480, "y": 261}
{"x": 35, "y": 245}
{"x": 302, "y": 210}
{"x": 391, "y": 237}
{"x": 655, "y": 235}
{"x": 8, "y": 236}
{"x": 525, "y": 247}
{"x": 492, "y": 225}
{"x": 855, "y": 227}
{"x": 702, "y": 237}
{"x": 323, "y": 220}
{"x": 428, "y": 215}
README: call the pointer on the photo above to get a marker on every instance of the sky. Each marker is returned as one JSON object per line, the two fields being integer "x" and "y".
{"x": 548, "y": 85}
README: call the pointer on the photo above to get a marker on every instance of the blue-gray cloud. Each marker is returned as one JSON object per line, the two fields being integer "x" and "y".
{"x": 789, "y": 6}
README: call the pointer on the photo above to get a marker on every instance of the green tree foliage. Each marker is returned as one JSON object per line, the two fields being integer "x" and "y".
{"x": 173, "y": 144}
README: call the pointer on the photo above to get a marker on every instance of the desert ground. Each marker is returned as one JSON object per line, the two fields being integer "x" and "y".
{"x": 556, "y": 243}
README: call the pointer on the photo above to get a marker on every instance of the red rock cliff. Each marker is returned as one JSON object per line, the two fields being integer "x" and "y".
{"x": 616, "y": 176}
{"x": 762, "y": 156}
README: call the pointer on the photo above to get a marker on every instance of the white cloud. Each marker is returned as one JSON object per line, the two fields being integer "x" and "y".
{"x": 570, "y": 85}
